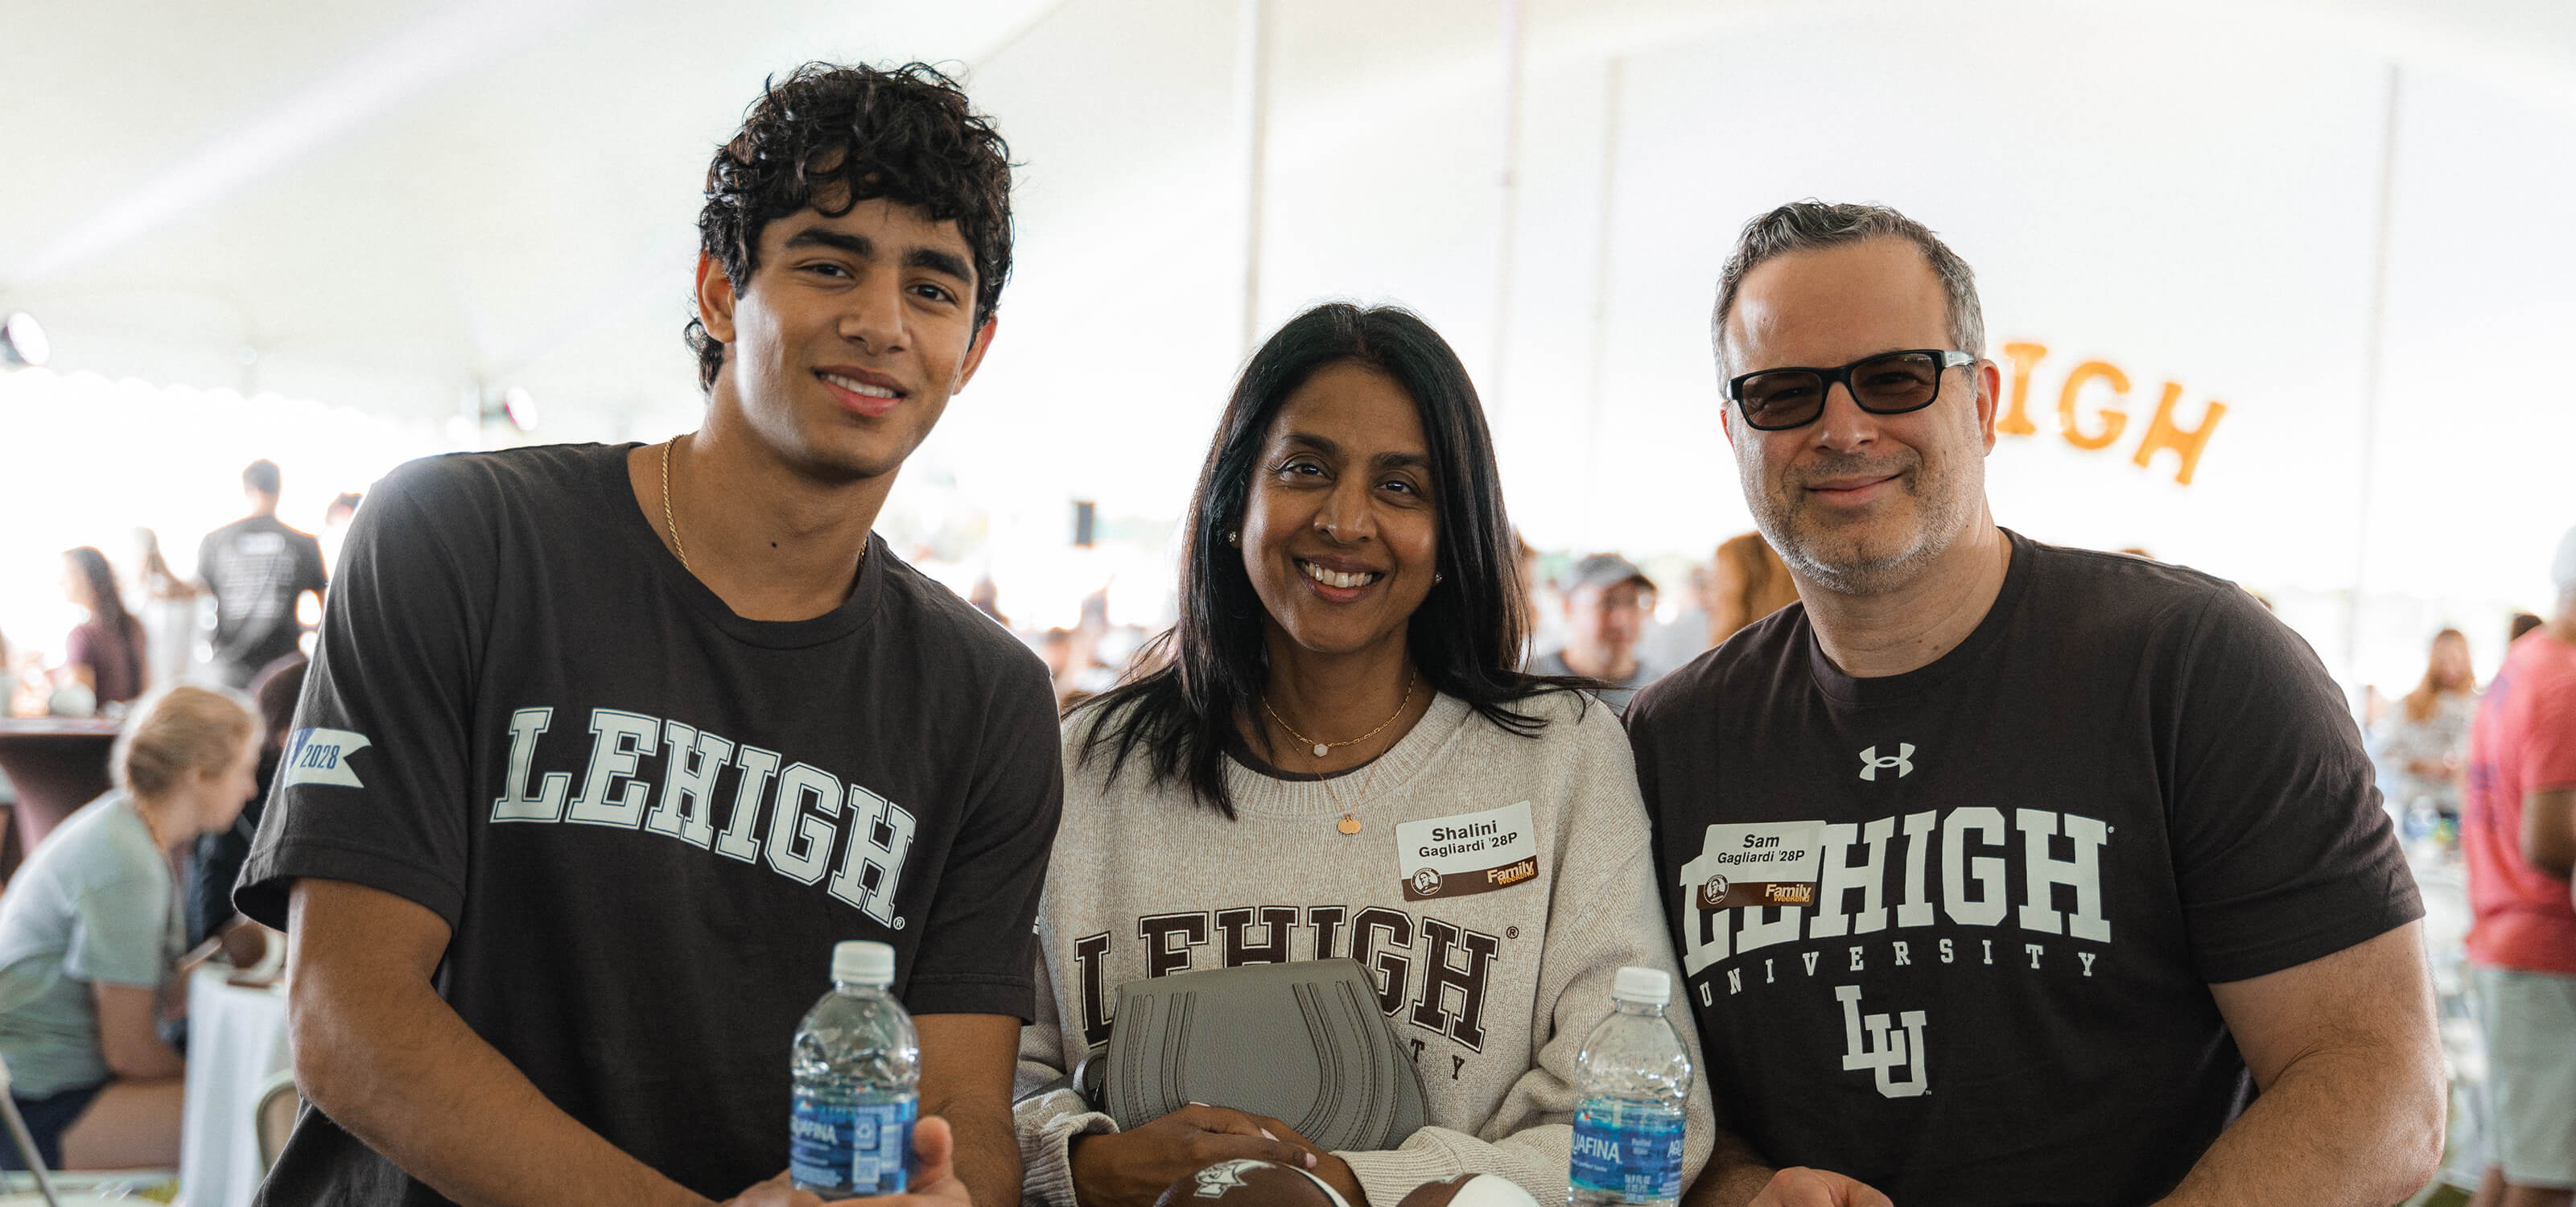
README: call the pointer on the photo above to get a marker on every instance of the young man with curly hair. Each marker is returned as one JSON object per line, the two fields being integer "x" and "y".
{"x": 606, "y": 747}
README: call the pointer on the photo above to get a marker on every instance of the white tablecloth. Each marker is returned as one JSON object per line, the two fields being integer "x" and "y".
{"x": 236, "y": 1039}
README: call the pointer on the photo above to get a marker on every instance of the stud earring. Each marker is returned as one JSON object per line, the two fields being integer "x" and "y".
{"x": 1436, "y": 576}
{"x": 1234, "y": 538}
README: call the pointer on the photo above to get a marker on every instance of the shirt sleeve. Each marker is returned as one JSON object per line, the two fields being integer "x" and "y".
{"x": 1644, "y": 710}
{"x": 1047, "y": 1119}
{"x": 309, "y": 574}
{"x": 1605, "y": 914}
{"x": 373, "y": 786}
{"x": 76, "y": 651}
{"x": 981, "y": 943}
{"x": 117, "y": 932}
{"x": 2281, "y": 851}
{"x": 2547, "y": 749}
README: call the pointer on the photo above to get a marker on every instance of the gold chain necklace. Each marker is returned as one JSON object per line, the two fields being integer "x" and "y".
{"x": 1350, "y": 823}
{"x": 1324, "y": 748}
{"x": 674, "y": 525}
{"x": 667, "y": 521}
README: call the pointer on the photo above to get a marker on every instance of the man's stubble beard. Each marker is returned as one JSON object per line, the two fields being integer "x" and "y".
{"x": 1835, "y": 557}
{"x": 810, "y": 452}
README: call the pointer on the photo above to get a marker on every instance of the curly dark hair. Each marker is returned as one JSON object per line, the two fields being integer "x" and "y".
{"x": 831, "y": 137}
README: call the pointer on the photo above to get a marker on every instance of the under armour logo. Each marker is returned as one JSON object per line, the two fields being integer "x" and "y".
{"x": 1869, "y": 1043}
{"x": 1902, "y": 760}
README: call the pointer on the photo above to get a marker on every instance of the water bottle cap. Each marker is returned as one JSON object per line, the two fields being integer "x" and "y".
{"x": 1652, "y": 986}
{"x": 863, "y": 962}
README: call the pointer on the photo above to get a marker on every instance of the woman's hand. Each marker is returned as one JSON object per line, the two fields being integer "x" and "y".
{"x": 1336, "y": 1172}
{"x": 1133, "y": 1168}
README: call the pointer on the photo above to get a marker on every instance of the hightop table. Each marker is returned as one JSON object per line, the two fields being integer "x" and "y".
{"x": 57, "y": 765}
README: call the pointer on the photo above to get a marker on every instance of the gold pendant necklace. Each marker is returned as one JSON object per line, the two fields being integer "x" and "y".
{"x": 1323, "y": 749}
{"x": 1350, "y": 823}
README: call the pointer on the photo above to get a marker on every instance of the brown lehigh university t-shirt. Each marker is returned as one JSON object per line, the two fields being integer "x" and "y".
{"x": 2036, "y": 854}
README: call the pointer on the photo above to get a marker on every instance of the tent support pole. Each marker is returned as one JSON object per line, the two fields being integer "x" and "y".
{"x": 1252, "y": 115}
{"x": 1508, "y": 188}
{"x": 1613, "y": 92}
{"x": 2373, "y": 358}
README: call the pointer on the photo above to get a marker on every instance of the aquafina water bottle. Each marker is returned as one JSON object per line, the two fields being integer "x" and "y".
{"x": 857, "y": 1067}
{"x": 1628, "y": 1129}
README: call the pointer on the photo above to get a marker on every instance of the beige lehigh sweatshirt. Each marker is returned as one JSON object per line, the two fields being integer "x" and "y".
{"x": 1495, "y": 887}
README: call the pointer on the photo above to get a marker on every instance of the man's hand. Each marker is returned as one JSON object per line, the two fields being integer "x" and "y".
{"x": 935, "y": 1186}
{"x": 1131, "y": 1169}
{"x": 1803, "y": 1187}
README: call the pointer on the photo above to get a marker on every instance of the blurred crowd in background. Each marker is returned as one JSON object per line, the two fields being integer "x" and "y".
{"x": 247, "y": 595}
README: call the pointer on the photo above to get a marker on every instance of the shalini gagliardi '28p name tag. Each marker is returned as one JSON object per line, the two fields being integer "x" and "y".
{"x": 1762, "y": 863}
{"x": 1466, "y": 853}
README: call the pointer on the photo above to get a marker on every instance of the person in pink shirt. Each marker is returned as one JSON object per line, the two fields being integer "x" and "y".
{"x": 2518, "y": 831}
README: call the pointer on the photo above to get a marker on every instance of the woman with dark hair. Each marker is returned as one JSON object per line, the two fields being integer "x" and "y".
{"x": 1341, "y": 692}
{"x": 105, "y": 654}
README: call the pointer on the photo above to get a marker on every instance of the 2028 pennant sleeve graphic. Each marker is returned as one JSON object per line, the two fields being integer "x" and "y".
{"x": 321, "y": 756}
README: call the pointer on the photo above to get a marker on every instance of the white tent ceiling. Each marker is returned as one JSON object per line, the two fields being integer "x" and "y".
{"x": 387, "y": 205}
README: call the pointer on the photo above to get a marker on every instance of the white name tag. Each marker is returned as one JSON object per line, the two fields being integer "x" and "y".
{"x": 1761, "y": 863}
{"x": 1467, "y": 853}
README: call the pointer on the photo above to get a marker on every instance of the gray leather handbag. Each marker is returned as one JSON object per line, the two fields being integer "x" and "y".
{"x": 1303, "y": 1043}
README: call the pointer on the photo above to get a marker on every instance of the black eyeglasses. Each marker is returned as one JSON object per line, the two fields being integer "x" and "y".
{"x": 1890, "y": 383}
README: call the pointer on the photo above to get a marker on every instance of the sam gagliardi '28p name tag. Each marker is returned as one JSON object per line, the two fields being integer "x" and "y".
{"x": 1763, "y": 863}
{"x": 1467, "y": 853}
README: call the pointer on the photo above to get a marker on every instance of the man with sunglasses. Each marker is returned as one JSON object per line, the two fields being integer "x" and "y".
{"x": 2002, "y": 872}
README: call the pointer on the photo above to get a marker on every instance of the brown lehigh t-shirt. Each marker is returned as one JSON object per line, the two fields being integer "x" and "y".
{"x": 646, "y": 818}
{"x": 2130, "y": 782}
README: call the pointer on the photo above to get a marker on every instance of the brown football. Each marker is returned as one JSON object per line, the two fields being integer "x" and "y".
{"x": 1469, "y": 1190}
{"x": 1245, "y": 1182}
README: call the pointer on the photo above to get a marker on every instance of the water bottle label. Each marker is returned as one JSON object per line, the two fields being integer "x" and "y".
{"x": 1637, "y": 1158}
{"x": 859, "y": 1147}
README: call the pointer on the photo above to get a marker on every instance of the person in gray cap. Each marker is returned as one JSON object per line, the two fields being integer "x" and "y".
{"x": 1607, "y": 600}
{"x": 2518, "y": 834}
